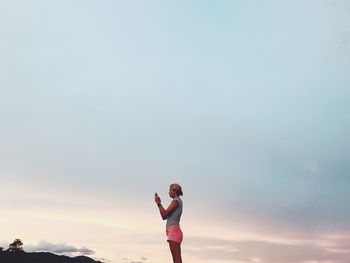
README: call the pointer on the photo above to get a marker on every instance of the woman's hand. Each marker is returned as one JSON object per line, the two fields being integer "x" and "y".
{"x": 157, "y": 199}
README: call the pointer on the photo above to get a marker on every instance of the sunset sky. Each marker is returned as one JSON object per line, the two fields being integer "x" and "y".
{"x": 244, "y": 103}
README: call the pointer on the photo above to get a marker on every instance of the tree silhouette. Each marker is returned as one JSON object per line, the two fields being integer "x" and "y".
{"x": 16, "y": 246}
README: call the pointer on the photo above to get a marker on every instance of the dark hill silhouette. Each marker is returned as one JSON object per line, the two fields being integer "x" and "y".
{"x": 41, "y": 257}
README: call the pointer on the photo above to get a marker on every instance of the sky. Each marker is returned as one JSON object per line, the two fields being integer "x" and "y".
{"x": 243, "y": 103}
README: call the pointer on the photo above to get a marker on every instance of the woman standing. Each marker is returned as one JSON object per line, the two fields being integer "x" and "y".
{"x": 173, "y": 214}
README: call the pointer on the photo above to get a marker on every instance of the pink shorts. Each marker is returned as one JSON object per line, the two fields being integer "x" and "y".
{"x": 174, "y": 233}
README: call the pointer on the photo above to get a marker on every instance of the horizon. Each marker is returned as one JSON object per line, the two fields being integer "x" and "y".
{"x": 243, "y": 103}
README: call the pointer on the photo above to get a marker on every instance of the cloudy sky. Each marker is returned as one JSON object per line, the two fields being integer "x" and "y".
{"x": 244, "y": 103}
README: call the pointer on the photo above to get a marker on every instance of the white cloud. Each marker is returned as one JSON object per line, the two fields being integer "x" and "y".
{"x": 142, "y": 259}
{"x": 224, "y": 247}
{"x": 60, "y": 248}
{"x": 4, "y": 245}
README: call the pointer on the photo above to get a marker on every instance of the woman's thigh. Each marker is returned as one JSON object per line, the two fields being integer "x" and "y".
{"x": 175, "y": 247}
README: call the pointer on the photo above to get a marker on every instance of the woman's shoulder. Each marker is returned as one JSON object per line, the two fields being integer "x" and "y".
{"x": 177, "y": 199}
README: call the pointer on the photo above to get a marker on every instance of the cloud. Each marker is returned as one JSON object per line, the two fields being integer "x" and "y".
{"x": 318, "y": 249}
{"x": 336, "y": 244}
{"x": 60, "y": 248}
{"x": 4, "y": 245}
{"x": 105, "y": 260}
{"x": 129, "y": 260}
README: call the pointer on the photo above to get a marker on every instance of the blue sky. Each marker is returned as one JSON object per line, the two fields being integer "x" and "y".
{"x": 244, "y": 103}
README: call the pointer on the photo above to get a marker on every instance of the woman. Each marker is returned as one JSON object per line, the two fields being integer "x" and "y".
{"x": 173, "y": 214}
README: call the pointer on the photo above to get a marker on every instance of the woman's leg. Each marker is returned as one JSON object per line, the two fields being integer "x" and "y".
{"x": 175, "y": 251}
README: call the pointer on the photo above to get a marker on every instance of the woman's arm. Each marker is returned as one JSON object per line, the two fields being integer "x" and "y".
{"x": 166, "y": 212}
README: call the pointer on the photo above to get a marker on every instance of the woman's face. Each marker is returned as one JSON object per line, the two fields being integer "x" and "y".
{"x": 172, "y": 192}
